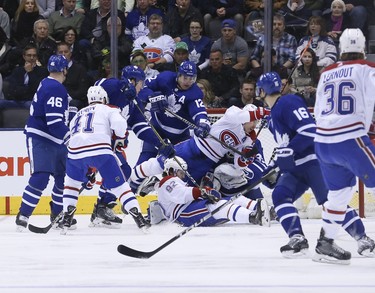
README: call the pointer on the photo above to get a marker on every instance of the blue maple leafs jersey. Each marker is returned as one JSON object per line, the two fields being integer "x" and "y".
{"x": 292, "y": 126}
{"x": 49, "y": 112}
{"x": 186, "y": 103}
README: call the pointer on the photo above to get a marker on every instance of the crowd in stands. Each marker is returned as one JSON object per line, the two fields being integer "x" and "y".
{"x": 223, "y": 38}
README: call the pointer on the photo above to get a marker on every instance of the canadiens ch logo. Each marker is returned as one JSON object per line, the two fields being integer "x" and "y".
{"x": 229, "y": 138}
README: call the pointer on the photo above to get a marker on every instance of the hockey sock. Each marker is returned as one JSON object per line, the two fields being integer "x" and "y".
{"x": 353, "y": 224}
{"x": 33, "y": 191}
{"x": 57, "y": 195}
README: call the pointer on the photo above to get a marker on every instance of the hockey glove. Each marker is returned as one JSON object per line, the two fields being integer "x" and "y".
{"x": 165, "y": 151}
{"x": 285, "y": 159}
{"x": 271, "y": 181}
{"x": 203, "y": 129}
{"x": 249, "y": 153}
{"x": 91, "y": 176}
{"x": 211, "y": 195}
{"x": 158, "y": 102}
{"x": 128, "y": 89}
{"x": 259, "y": 113}
{"x": 120, "y": 143}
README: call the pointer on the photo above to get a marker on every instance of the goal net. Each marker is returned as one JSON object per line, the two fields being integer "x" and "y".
{"x": 362, "y": 199}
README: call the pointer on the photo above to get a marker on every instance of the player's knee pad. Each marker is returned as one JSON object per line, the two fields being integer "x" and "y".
{"x": 338, "y": 199}
{"x": 281, "y": 195}
{"x": 39, "y": 180}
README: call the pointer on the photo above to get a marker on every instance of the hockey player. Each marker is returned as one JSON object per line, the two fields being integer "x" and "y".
{"x": 343, "y": 112}
{"x": 187, "y": 205}
{"x": 90, "y": 146}
{"x": 46, "y": 132}
{"x": 203, "y": 154}
{"x": 123, "y": 94}
{"x": 294, "y": 130}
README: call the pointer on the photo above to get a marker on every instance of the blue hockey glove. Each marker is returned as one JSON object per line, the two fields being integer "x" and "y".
{"x": 211, "y": 195}
{"x": 128, "y": 89}
{"x": 158, "y": 102}
{"x": 285, "y": 159}
{"x": 203, "y": 129}
{"x": 165, "y": 151}
{"x": 271, "y": 181}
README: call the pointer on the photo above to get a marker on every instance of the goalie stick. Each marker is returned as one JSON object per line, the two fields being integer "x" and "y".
{"x": 128, "y": 251}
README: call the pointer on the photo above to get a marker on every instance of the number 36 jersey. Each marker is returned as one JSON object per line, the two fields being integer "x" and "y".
{"x": 345, "y": 101}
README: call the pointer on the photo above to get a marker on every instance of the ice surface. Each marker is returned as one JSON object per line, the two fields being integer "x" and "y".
{"x": 229, "y": 258}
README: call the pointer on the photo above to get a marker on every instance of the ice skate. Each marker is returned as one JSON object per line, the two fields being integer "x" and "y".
{"x": 103, "y": 216}
{"x": 67, "y": 220}
{"x": 58, "y": 224}
{"x": 328, "y": 252}
{"x": 148, "y": 185}
{"x": 261, "y": 216}
{"x": 139, "y": 219}
{"x": 297, "y": 247}
{"x": 21, "y": 222}
{"x": 273, "y": 215}
{"x": 366, "y": 246}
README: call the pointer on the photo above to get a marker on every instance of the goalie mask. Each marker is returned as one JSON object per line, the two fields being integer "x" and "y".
{"x": 96, "y": 94}
{"x": 171, "y": 167}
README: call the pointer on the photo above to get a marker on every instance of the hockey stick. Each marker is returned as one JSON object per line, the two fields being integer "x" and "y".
{"x": 125, "y": 250}
{"x": 45, "y": 230}
{"x": 192, "y": 125}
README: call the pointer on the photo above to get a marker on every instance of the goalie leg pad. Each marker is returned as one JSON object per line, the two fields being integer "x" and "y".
{"x": 155, "y": 213}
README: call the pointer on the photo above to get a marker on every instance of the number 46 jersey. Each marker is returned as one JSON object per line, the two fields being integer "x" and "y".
{"x": 345, "y": 101}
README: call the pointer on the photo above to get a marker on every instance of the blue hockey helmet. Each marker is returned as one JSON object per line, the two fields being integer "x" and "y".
{"x": 270, "y": 82}
{"x": 188, "y": 68}
{"x": 57, "y": 63}
{"x": 133, "y": 72}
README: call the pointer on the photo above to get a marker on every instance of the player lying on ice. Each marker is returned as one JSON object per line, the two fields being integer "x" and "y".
{"x": 180, "y": 203}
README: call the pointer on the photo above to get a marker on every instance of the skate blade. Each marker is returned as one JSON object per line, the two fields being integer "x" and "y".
{"x": 145, "y": 230}
{"x": 20, "y": 229}
{"x": 368, "y": 253}
{"x": 104, "y": 224}
{"x": 303, "y": 253}
{"x": 266, "y": 219}
{"x": 64, "y": 230}
{"x": 329, "y": 260}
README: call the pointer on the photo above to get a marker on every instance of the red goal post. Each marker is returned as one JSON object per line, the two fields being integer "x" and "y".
{"x": 362, "y": 201}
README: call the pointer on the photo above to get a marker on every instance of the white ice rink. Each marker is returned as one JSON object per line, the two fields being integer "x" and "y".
{"x": 229, "y": 258}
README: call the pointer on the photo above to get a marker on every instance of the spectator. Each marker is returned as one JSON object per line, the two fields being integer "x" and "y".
{"x": 235, "y": 49}
{"x": 137, "y": 19}
{"x": 70, "y": 37}
{"x": 6, "y": 66}
{"x": 10, "y": 7}
{"x": 46, "y": 7}
{"x": 215, "y": 11}
{"x": 319, "y": 41}
{"x": 103, "y": 43}
{"x": 125, "y": 6}
{"x": 22, "y": 25}
{"x": 157, "y": 47}
{"x": 82, "y": 6}
{"x": 20, "y": 87}
{"x": 209, "y": 98}
{"x": 95, "y": 23}
{"x": 223, "y": 78}
{"x": 336, "y": 20}
{"x": 138, "y": 58}
{"x": 45, "y": 45}
{"x": 179, "y": 17}
{"x": 284, "y": 44}
{"x": 66, "y": 16}
{"x": 296, "y": 17}
{"x": 246, "y": 95}
{"x": 180, "y": 54}
{"x": 199, "y": 46}
{"x": 5, "y": 22}
{"x": 316, "y": 6}
{"x": 306, "y": 77}
{"x": 76, "y": 79}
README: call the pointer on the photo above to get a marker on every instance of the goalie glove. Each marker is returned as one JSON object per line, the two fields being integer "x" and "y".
{"x": 91, "y": 178}
{"x": 285, "y": 159}
{"x": 158, "y": 102}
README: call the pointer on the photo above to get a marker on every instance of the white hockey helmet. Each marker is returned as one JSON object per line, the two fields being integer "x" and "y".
{"x": 171, "y": 165}
{"x": 97, "y": 94}
{"x": 352, "y": 40}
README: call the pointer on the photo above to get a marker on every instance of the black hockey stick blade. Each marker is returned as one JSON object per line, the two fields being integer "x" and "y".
{"x": 125, "y": 250}
{"x": 40, "y": 230}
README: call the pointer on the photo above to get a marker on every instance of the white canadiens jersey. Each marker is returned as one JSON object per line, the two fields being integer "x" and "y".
{"x": 345, "y": 101}
{"x": 228, "y": 129}
{"x": 92, "y": 128}
{"x": 154, "y": 49}
{"x": 174, "y": 196}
